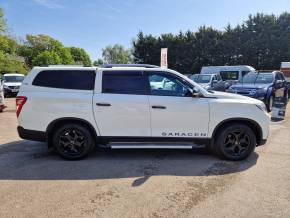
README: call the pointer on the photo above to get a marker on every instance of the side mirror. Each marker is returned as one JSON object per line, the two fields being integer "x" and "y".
{"x": 214, "y": 81}
{"x": 278, "y": 81}
{"x": 196, "y": 93}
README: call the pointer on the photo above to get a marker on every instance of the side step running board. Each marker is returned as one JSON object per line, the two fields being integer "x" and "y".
{"x": 151, "y": 146}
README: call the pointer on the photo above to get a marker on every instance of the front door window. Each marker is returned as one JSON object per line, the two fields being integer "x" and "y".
{"x": 163, "y": 84}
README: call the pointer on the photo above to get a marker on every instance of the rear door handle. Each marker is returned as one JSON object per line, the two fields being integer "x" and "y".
{"x": 158, "y": 107}
{"x": 103, "y": 104}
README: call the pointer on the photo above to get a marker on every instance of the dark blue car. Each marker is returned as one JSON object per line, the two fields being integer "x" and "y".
{"x": 263, "y": 86}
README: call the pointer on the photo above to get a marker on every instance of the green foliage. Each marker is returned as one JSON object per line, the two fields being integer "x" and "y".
{"x": 42, "y": 49}
{"x": 9, "y": 60}
{"x": 98, "y": 62}
{"x": 11, "y": 64}
{"x": 116, "y": 54}
{"x": 8, "y": 45}
{"x": 80, "y": 56}
{"x": 2, "y": 22}
{"x": 46, "y": 58}
{"x": 262, "y": 41}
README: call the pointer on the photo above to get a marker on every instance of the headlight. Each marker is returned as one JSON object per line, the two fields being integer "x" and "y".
{"x": 5, "y": 87}
{"x": 262, "y": 107}
{"x": 261, "y": 91}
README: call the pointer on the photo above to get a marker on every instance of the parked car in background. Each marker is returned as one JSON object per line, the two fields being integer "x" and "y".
{"x": 263, "y": 86}
{"x": 209, "y": 81}
{"x": 12, "y": 83}
{"x": 229, "y": 74}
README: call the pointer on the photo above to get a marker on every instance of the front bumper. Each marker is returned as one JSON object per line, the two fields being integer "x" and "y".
{"x": 32, "y": 135}
{"x": 10, "y": 91}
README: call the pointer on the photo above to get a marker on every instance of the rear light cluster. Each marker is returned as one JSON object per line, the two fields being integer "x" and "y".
{"x": 20, "y": 101}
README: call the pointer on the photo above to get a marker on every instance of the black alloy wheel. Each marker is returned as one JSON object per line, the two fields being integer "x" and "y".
{"x": 235, "y": 142}
{"x": 73, "y": 142}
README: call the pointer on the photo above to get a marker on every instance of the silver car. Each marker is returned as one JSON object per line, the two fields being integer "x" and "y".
{"x": 209, "y": 81}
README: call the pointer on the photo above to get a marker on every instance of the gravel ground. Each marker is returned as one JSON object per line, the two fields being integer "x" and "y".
{"x": 142, "y": 183}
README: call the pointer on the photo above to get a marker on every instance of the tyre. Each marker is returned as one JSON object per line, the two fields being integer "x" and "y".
{"x": 235, "y": 142}
{"x": 270, "y": 103}
{"x": 73, "y": 141}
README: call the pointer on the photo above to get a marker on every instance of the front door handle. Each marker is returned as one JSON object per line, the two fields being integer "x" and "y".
{"x": 158, "y": 107}
{"x": 103, "y": 104}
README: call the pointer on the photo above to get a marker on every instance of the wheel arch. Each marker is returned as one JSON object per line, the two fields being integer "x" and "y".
{"x": 67, "y": 120}
{"x": 249, "y": 122}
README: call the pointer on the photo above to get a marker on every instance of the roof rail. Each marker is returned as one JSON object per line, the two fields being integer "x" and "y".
{"x": 63, "y": 65}
{"x": 128, "y": 65}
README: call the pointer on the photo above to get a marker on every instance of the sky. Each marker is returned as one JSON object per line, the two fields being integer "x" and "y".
{"x": 94, "y": 24}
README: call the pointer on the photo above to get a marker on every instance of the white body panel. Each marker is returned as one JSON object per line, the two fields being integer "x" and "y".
{"x": 128, "y": 115}
{"x": 183, "y": 116}
{"x": 228, "y": 106}
{"x": 45, "y": 105}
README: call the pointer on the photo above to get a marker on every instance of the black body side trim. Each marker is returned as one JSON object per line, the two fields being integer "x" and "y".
{"x": 31, "y": 134}
{"x": 108, "y": 139}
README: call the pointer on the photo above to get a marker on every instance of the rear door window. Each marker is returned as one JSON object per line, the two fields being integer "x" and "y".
{"x": 66, "y": 79}
{"x": 124, "y": 82}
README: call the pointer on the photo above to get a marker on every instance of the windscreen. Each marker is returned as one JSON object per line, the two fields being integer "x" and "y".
{"x": 203, "y": 79}
{"x": 261, "y": 78}
{"x": 13, "y": 78}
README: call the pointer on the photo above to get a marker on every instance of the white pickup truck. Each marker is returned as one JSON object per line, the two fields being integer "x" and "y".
{"x": 126, "y": 106}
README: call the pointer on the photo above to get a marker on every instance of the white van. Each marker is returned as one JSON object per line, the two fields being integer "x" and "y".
{"x": 231, "y": 74}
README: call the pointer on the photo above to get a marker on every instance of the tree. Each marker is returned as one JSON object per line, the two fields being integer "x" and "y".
{"x": 10, "y": 62}
{"x": 116, "y": 54}
{"x": 262, "y": 41}
{"x": 98, "y": 62}
{"x": 80, "y": 56}
{"x": 37, "y": 48}
{"x": 146, "y": 49}
{"x": 46, "y": 58}
{"x": 2, "y": 22}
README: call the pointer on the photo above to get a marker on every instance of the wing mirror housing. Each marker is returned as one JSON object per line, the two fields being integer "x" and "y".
{"x": 196, "y": 93}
